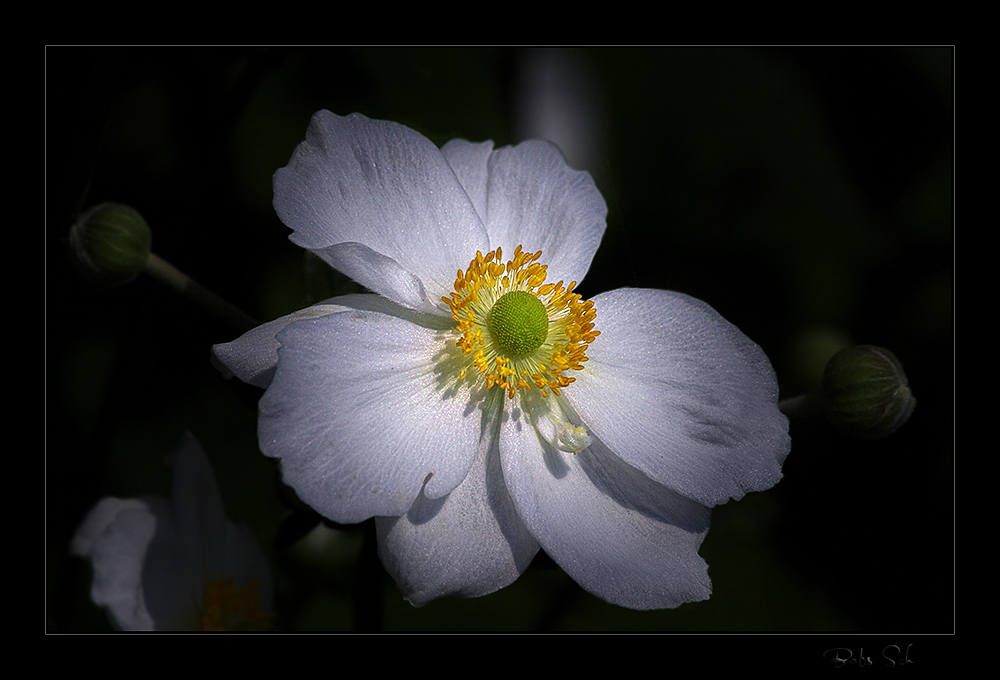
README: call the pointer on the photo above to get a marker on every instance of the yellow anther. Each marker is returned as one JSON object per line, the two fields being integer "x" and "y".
{"x": 514, "y": 360}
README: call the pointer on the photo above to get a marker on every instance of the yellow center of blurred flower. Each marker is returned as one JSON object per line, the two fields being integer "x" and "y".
{"x": 517, "y": 331}
{"x": 227, "y": 609}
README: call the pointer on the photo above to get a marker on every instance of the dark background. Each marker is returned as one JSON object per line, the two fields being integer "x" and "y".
{"x": 805, "y": 193}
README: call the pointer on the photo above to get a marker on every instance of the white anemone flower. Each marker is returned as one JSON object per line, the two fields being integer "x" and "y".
{"x": 178, "y": 564}
{"x": 482, "y": 414}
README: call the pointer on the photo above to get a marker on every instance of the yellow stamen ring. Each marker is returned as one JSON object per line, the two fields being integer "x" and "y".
{"x": 514, "y": 342}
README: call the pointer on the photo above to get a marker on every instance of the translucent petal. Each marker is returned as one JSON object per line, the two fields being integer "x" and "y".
{"x": 681, "y": 394}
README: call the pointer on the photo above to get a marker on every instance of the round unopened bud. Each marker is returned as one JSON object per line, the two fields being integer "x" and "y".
{"x": 865, "y": 392}
{"x": 111, "y": 243}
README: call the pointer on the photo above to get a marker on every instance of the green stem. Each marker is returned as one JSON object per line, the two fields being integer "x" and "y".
{"x": 802, "y": 405}
{"x": 184, "y": 284}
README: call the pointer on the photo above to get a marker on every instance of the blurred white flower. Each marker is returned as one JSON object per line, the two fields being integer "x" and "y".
{"x": 178, "y": 564}
{"x": 480, "y": 415}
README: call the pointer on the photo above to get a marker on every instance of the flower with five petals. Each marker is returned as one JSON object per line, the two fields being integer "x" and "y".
{"x": 474, "y": 404}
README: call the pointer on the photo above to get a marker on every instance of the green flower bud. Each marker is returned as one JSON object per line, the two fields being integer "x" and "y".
{"x": 111, "y": 243}
{"x": 865, "y": 392}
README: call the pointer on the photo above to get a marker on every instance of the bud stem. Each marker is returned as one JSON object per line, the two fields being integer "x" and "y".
{"x": 184, "y": 284}
{"x": 802, "y": 405}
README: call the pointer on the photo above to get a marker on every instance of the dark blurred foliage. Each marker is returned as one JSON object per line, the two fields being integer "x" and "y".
{"x": 805, "y": 193}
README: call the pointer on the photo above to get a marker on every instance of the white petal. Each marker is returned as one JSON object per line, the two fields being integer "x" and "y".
{"x": 387, "y": 187}
{"x": 361, "y": 414}
{"x": 619, "y": 535}
{"x": 253, "y": 356}
{"x": 537, "y": 201}
{"x": 681, "y": 394}
{"x": 467, "y": 544}
{"x": 469, "y": 161}
{"x": 382, "y": 274}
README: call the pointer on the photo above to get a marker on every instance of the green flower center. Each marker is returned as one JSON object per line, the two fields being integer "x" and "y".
{"x": 518, "y": 323}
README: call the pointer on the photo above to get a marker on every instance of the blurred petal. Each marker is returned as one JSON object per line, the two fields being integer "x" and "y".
{"x": 153, "y": 558}
{"x": 173, "y": 575}
{"x": 220, "y": 546}
{"x": 388, "y": 188}
{"x": 198, "y": 514}
{"x": 681, "y": 394}
{"x": 114, "y": 537}
{"x": 618, "y": 534}
{"x": 102, "y": 516}
{"x": 468, "y": 543}
{"x": 362, "y": 417}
